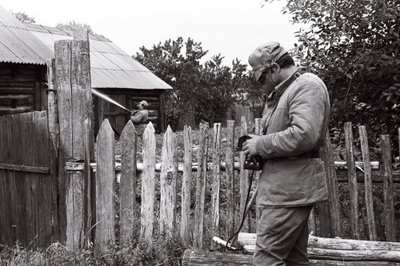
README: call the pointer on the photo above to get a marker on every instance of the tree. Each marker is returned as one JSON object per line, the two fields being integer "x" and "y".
{"x": 177, "y": 63}
{"x": 23, "y": 17}
{"x": 354, "y": 45}
{"x": 200, "y": 91}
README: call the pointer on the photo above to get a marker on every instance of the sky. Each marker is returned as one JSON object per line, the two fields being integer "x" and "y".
{"x": 232, "y": 28}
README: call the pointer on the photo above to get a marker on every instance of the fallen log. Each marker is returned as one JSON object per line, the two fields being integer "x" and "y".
{"x": 332, "y": 243}
{"x": 339, "y": 249}
{"x": 207, "y": 258}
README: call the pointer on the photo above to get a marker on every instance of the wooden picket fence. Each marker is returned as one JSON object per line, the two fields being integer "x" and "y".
{"x": 210, "y": 177}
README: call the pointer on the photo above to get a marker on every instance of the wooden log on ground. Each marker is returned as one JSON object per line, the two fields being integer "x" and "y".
{"x": 340, "y": 249}
{"x": 205, "y": 258}
{"x": 332, "y": 243}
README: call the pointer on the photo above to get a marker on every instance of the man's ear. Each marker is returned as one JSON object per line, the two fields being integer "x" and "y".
{"x": 275, "y": 68}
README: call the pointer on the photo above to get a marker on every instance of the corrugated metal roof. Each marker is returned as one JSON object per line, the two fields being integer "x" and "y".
{"x": 18, "y": 45}
{"x": 111, "y": 67}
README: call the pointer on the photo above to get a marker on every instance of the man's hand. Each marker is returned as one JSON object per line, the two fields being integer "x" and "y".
{"x": 249, "y": 146}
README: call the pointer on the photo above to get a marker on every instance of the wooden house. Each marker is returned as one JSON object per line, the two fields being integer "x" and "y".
{"x": 24, "y": 50}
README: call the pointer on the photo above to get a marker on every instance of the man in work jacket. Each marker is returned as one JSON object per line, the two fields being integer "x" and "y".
{"x": 295, "y": 120}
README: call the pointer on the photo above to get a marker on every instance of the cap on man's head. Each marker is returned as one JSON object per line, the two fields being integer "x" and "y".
{"x": 264, "y": 56}
{"x": 143, "y": 103}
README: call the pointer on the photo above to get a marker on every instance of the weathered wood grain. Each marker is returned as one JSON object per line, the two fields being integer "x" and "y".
{"x": 148, "y": 185}
{"x": 186, "y": 183}
{"x": 200, "y": 187}
{"x": 388, "y": 202}
{"x": 229, "y": 177}
{"x": 105, "y": 195}
{"x": 128, "y": 183}
{"x": 352, "y": 180}
{"x": 215, "y": 181}
{"x": 72, "y": 64}
{"x": 333, "y": 199}
{"x": 244, "y": 175}
{"x": 168, "y": 178}
{"x": 369, "y": 200}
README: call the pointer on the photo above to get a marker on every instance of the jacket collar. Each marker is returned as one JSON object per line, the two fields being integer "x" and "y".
{"x": 281, "y": 87}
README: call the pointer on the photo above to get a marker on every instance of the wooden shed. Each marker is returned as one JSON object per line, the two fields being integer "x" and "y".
{"x": 26, "y": 47}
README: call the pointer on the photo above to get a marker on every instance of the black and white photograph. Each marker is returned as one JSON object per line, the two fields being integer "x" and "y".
{"x": 191, "y": 133}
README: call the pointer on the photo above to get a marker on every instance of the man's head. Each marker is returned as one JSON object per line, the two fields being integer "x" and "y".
{"x": 264, "y": 57}
{"x": 143, "y": 104}
{"x": 271, "y": 64}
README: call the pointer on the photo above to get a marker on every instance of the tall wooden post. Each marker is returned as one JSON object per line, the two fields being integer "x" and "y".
{"x": 54, "y": 134}
{"x": 72, "y": 64}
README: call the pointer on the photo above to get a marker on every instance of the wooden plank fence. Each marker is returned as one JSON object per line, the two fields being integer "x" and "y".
{"x": 28, "y": 193}
{"x": 203, "y": 219}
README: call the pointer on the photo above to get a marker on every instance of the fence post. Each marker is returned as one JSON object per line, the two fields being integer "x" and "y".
{"x": 352, "y": 175}
{"x": 243, "y": 174}
{"x": 148, "y": 185}
{"x": 333, "y": 201}
{"x": 258, "y": 130}
{"x": 186, "y": 183}
{"x": 128, "y": 217}
{"x": 105, "y": 195}
{"x": 229, "y": 177}
{"x": 168, "y": 176}
{"x": 72, "y": 64}
{"x": 369, "y": 201}
{"x": 200, "y": 186}
{"x": 54, "y": 135}
{"x": 216, "y": 182}
{"x": 387, "y": 175}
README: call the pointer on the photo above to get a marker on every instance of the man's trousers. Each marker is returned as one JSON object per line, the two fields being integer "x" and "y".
{"x": 282, "y": 236}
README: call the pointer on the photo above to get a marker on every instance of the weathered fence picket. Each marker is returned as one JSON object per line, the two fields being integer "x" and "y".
{"x": 352, "y": 180}
{"x": 229, "y": 177}
{"x": 244, "y": 174}
{"x": 128, "y": 184}
{"x": 105, "y": 183}
{"x": 390, "y": 228}
{"x": 148, "y": 185}
{"x": 186, "y": 183}
{"x": 216, "y": 180}
{"x": 200, "y": 186}
{"x": 333, "y": 200}
{"x": 168, "y": 178}
{"x": 369, "y": 201}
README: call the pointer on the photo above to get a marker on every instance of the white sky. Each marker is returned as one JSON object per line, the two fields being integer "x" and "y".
{"x": 233, "y": 28}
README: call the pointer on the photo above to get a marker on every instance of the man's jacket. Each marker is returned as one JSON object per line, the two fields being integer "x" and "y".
{"x": 140, "y": 117}
{"x": 295, "y": 126}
